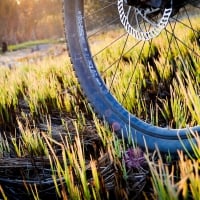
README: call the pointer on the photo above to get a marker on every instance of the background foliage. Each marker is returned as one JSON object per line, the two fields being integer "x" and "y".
{"x": 22, "y": 20}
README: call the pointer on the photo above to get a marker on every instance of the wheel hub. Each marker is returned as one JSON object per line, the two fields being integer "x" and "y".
{"x": 142, "y": 21}
{"x": 147, "y": 3}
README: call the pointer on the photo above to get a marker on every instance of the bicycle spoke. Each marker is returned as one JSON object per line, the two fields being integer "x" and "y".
{"x": 130, "y": 80}
{"x": 116, "y": 61}
{"x": 182, "y": 42}
{"x": 103, "y": 27}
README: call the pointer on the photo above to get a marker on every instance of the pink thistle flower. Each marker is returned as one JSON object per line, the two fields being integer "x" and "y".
{"x": 134, "y": 157}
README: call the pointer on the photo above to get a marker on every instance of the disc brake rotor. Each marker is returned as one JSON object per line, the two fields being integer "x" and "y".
{"x": 143, "y": 23}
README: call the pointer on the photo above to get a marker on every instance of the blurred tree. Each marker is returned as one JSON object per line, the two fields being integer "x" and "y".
{"x": 30, "y": 20}
{"x": 9, "y": 19}
{"x": 36, "y": 18}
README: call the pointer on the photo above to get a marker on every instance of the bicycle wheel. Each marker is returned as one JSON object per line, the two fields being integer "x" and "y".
{"x": 138, "y": 65}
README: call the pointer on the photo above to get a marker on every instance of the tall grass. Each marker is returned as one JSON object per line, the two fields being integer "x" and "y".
{"x": 169, "y": 183}
{"x": 47, "y": 85}
{"x": 79, "y": 176}
{"x": 85, "y": 158}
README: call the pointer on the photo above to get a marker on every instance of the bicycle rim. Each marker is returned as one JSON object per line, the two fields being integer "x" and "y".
{"x": 134, "y": 79}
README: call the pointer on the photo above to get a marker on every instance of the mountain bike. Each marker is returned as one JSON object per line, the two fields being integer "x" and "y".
{"x": 138, "y": 64}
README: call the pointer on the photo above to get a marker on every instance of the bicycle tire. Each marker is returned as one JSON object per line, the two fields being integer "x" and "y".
{"x": 99, "y": 95}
